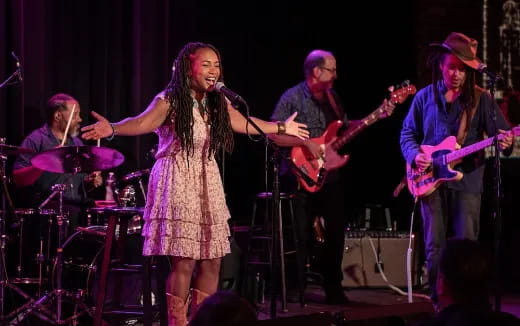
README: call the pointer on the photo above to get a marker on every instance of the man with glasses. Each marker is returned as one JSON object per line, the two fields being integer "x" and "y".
{"x": 317, "y": 105}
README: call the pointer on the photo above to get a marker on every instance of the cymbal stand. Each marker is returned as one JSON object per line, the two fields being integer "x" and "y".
{"x": 59, "y": 293}
{"x": 4, "y": 279}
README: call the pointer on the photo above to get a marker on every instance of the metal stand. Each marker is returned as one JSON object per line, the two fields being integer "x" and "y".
{"x": 277, "y": 250}
{"x": 498, "y": 191}
{"x": 4, "y": 280}
{"x": 38, "y": 307}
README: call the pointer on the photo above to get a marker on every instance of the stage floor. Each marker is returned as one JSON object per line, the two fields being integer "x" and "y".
{"x": 370, "y": 303}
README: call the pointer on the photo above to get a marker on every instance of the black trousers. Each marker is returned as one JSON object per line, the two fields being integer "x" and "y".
{"x": 328, "y": 203}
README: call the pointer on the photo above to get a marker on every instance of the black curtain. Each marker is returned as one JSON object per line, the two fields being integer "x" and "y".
{"x": 114, "y": 56}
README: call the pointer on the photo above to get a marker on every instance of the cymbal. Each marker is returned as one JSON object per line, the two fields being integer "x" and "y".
{"x": 14, "y": 150}
{"x": 76, "y": 159}
{"x": 136, "y": 175}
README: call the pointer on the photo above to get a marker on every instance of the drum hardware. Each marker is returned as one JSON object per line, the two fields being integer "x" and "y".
{"x": 39, "y": 256}
{"x": 69, "y": 159}
{"x": 126, "y": 194}
{"x": 6, "y": 150}
{"x": 38, "y": 307}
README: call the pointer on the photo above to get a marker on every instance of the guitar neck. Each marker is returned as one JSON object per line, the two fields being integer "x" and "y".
{"x": 351, "y": 133}
{"x": 457, "y": 155}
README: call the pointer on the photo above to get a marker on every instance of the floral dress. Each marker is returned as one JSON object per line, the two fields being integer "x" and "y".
{"x": 186, "y": 213}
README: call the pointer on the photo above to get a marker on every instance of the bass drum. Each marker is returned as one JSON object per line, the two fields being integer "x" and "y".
{"x": 82, "y": 256}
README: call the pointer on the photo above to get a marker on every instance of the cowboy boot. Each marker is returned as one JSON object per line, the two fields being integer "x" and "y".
{"x": 177, "y": 309}
{"x": 197, "y": 296}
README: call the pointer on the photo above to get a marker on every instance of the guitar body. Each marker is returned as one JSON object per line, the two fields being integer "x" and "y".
{"x": 311, "y": 172}
{"x": 423, "y": 183}
{"x": 316, "y": 169}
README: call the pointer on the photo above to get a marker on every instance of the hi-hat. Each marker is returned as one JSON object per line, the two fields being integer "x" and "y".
{"x": 76, "y": 159}
{"x": 14, "y": 150}
{"x": 136, "y": 175}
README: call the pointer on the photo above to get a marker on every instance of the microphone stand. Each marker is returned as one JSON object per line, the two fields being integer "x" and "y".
{"x": 16, "y": 74}
{"x": 276, "y": 249}
{"x": 498, "y": 192}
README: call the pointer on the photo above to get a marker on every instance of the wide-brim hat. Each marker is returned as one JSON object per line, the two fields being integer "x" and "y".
{"x": 463, "y": 47}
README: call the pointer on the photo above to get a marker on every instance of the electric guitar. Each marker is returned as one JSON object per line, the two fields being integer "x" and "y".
{"x": 311, "y": 172}
{"x": 444, "y": 157}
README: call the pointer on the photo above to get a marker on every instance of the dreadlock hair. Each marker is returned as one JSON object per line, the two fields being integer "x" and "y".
{"x": 467, "y": 95}
{"x": 181, "y": 104}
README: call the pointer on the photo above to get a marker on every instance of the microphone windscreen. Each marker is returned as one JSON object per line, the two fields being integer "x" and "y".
{"x": 218, "y": 86}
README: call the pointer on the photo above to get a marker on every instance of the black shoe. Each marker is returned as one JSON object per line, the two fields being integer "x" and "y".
{"x": 336, "y": 297}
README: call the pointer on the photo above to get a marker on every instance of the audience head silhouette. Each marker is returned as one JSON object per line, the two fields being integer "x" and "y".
{"x": 224, "y": 308}
{"x": 464, "y": 271}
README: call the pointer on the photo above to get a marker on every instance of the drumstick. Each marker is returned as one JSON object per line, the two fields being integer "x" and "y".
{"x": 99, "y": 142}
{"x": 68, "y": 125}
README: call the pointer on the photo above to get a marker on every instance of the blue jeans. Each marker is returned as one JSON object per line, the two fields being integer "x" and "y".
{"x": 447, "y": 213}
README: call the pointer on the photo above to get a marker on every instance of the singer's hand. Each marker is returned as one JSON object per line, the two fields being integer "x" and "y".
{"x": 100, "y": 129}
{"x": 294, "y": 128}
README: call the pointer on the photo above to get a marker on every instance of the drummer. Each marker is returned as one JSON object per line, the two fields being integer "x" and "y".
{"x": 50, "y": 135}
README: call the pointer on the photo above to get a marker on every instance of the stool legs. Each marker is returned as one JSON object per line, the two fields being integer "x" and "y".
{"x": 147, "y": 292}
{"x": 278, "y": 225}
{"x": 299, "y": 259}
{"x": 282, "y": 257}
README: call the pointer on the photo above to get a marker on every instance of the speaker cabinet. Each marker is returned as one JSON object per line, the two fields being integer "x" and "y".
{"x": 362, "y": 253}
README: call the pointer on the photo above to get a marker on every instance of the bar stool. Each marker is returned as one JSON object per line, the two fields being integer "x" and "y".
{"x": 114, "y": 262}
{"x": 262, "y": 236}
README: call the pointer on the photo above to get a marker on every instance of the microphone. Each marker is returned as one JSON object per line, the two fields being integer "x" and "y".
{"x": 483, "y": 68}
{"x": 232, "y": 96}
{"x": 18, "y": 65}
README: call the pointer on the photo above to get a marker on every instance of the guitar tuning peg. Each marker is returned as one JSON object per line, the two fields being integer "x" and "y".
{"x": 406, "y": 83}
{"x": 391, "y": 88}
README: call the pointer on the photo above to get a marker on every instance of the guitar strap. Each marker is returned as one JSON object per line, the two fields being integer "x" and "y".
{"x": 337, "y": 108}
{"x": 465, "y": 121}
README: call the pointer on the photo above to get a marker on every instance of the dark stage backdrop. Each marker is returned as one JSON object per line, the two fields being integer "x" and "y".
{"x": 114, "y": 56}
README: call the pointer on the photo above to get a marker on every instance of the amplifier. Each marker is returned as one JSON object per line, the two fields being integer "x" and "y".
{"x": 361, "y": 253}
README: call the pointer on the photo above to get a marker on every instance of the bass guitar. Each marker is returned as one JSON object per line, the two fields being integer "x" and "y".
{"x": 312, "y": 172}
{"x": 444, "y": 157}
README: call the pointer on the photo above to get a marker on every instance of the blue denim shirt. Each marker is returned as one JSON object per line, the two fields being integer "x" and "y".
{"x": 43, "y": 139}
{"x": 316, "y": 115}
{"x": 426, "y": 124}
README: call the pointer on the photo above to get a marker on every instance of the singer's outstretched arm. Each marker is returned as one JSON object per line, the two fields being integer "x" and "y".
{"x": 146, "y": 122}
{"x": 239, "y": 124}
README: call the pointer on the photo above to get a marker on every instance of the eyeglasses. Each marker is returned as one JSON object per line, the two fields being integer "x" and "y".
{"x": 332, "y": 71}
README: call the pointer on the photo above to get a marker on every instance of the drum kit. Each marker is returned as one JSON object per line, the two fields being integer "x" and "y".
{"x": 62, "y": 268}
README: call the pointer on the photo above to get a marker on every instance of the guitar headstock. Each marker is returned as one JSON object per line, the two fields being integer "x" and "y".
{"x": 401, "y": 92}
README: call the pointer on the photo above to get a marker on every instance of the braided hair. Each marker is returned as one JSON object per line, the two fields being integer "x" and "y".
{"x": 181, "y": 104}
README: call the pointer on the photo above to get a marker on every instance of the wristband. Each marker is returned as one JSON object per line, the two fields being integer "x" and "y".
{"x": 281, "y": 128}
{"x": 113, "y": 132}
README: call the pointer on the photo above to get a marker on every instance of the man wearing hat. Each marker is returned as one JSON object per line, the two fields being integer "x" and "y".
{"x": 452, "y": 105}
